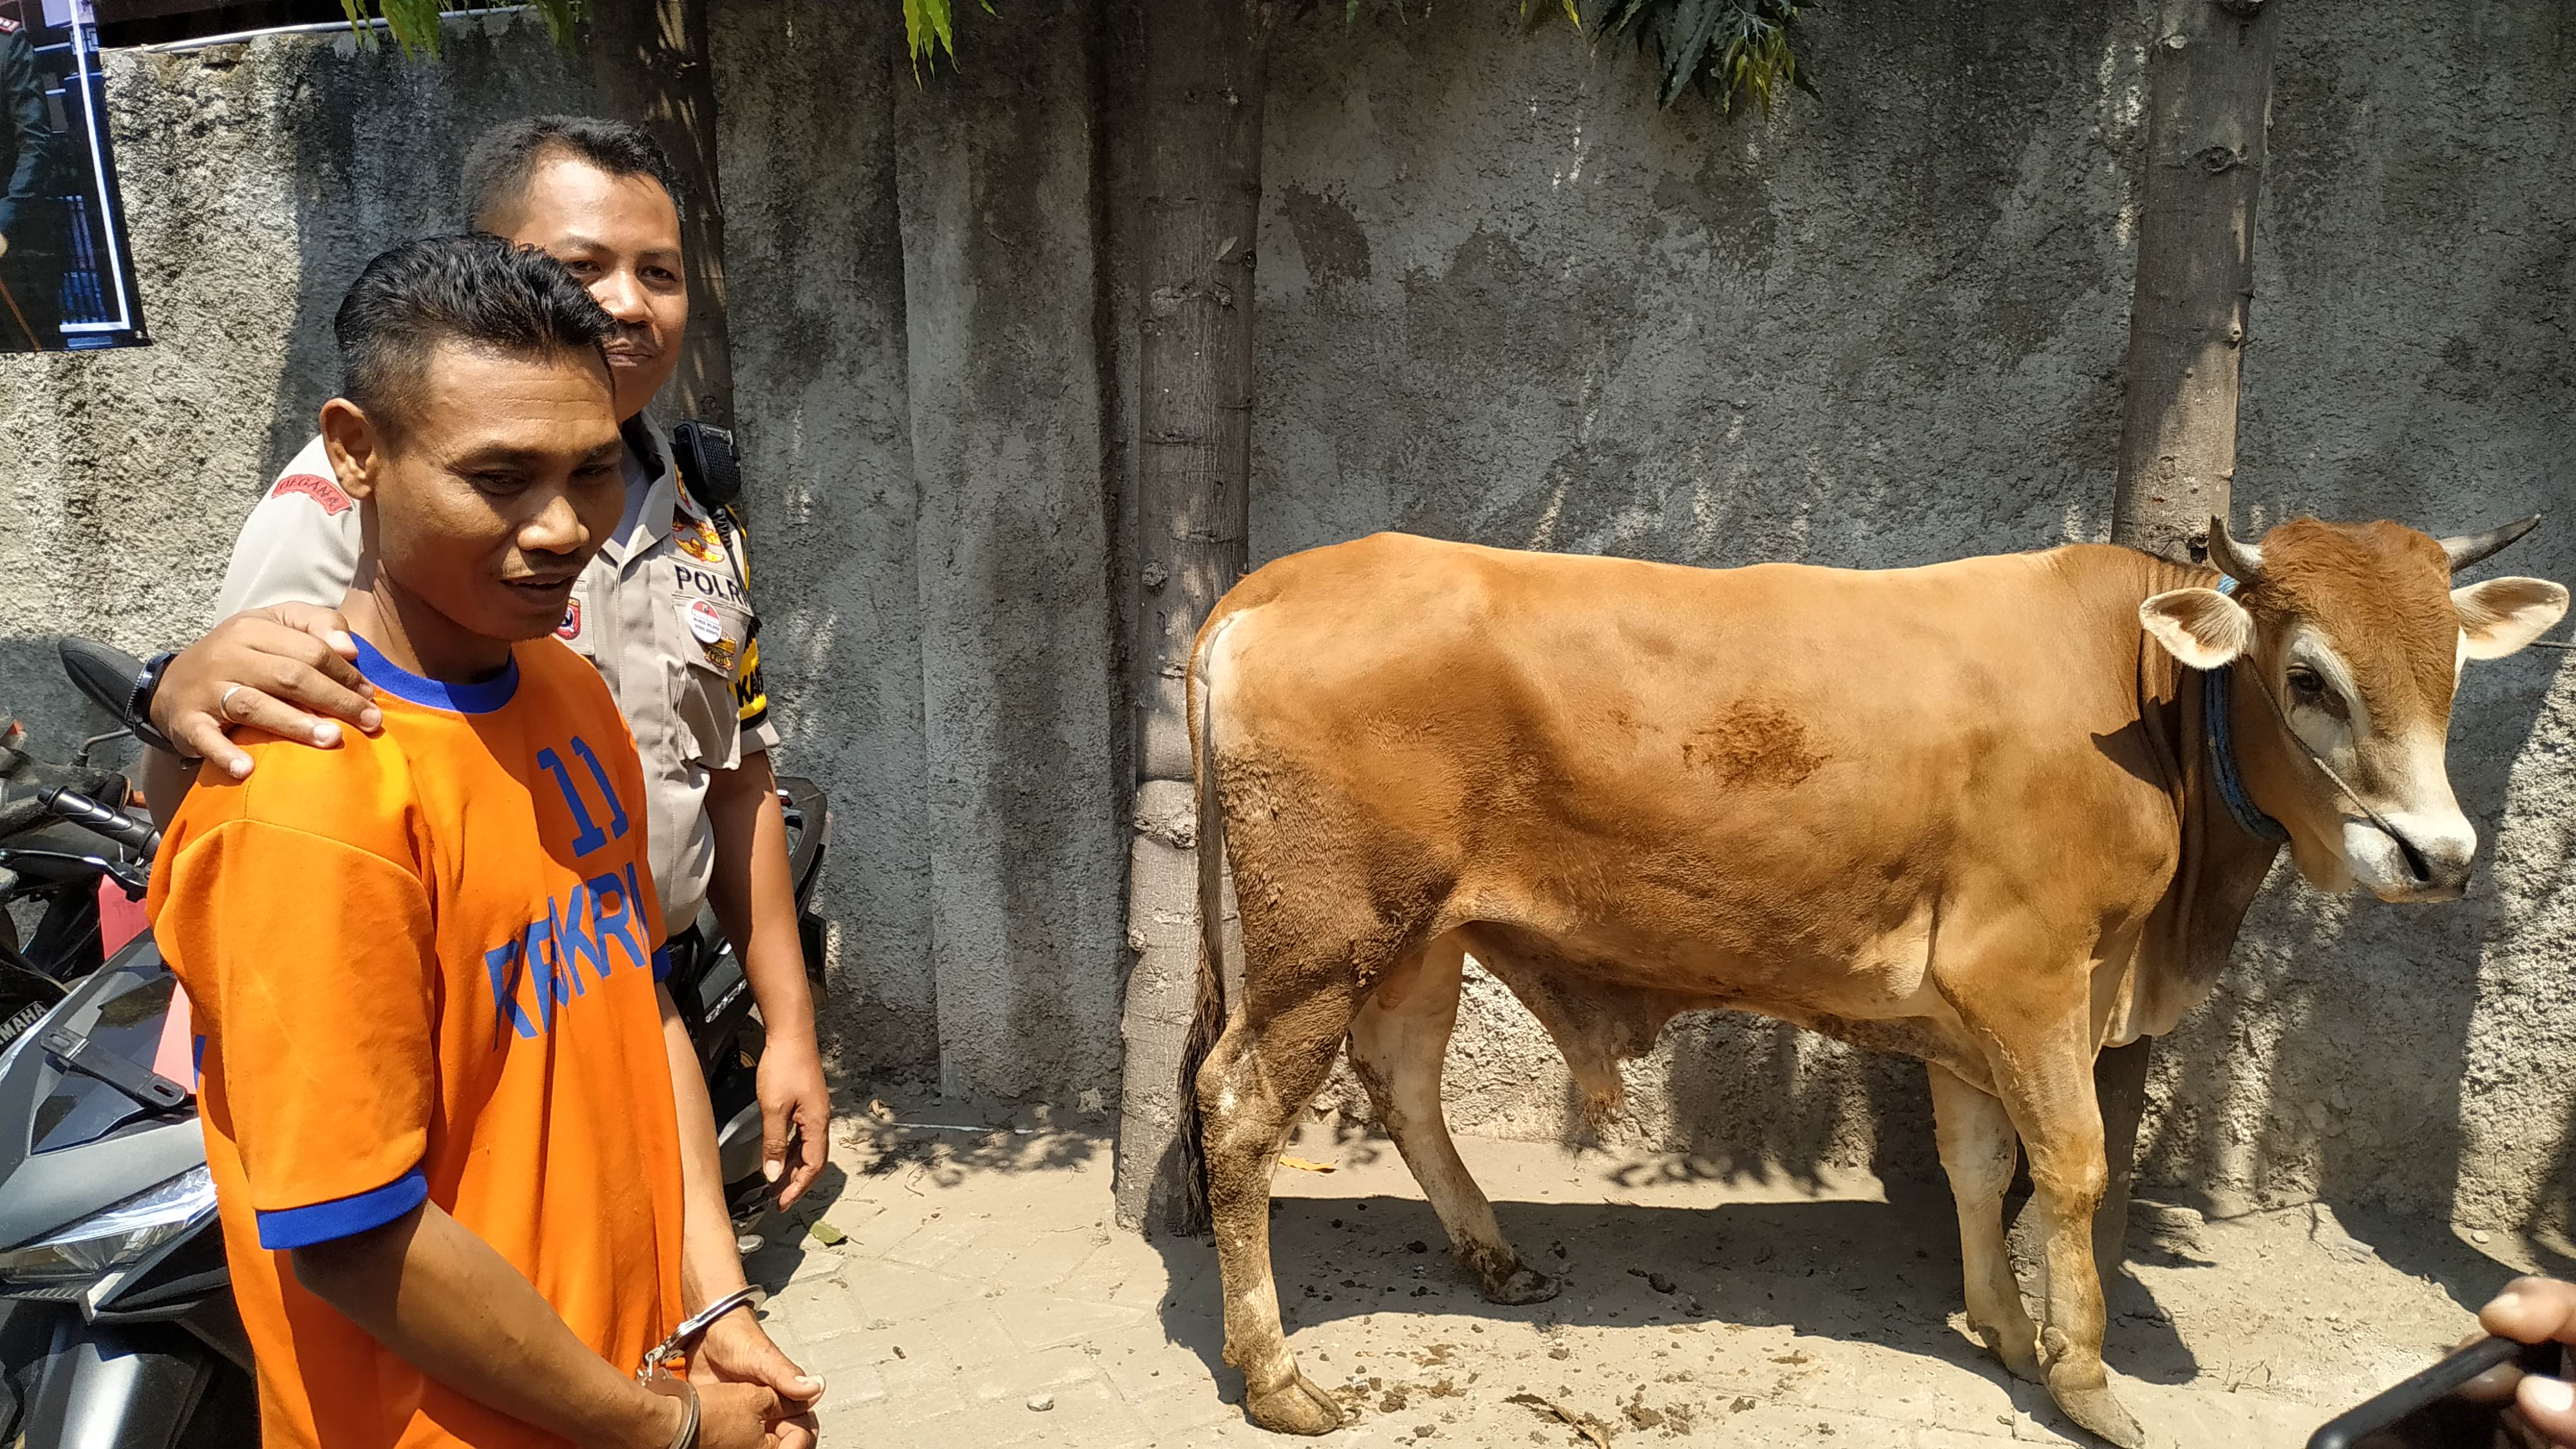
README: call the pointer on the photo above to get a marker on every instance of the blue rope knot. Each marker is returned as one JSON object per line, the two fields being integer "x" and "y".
{"x": 2214, "y": 694}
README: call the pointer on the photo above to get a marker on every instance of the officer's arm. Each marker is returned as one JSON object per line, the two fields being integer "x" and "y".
{"x": 755, "y": 900}
{"x": 25, "y": 95}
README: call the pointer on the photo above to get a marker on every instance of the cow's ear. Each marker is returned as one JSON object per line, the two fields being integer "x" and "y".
{"x": 2201, "y": 627}
{"x": 2501, "y": 615}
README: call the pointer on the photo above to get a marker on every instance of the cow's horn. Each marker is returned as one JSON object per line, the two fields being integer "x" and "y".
{"x": 2470, "y": 548}
{"x": 2242, "y": 562}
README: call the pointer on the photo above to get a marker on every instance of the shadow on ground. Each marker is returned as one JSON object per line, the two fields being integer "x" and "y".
{"x": 1885, "y": 1273}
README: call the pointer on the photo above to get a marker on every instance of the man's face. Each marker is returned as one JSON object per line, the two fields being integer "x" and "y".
{"x": 620, "y": 235}
{"x": 497, "y": 488}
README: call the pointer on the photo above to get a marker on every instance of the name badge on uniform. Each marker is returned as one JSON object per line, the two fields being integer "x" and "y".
{"x": 706, "y": 625}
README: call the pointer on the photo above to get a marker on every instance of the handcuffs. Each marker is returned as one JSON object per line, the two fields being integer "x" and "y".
{"x": 655, "y": 1371}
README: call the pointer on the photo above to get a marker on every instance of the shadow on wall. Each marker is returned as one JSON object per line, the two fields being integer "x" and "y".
{"x": 38, "y": 690}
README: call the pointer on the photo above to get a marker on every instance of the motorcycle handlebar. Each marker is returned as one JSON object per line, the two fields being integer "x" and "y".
{"x": 135, "y": 835}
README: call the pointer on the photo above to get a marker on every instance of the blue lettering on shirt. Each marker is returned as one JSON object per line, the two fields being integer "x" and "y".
{"x": 553, "y": 948}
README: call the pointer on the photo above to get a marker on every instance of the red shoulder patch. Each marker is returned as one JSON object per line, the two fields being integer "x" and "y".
{"x": 316, "y": 487}
{"x": 9, "y": 26}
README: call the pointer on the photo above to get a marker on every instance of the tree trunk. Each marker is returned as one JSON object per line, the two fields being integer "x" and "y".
{"x": 649, "y": 65}
{"x": 1205, "y": 73}
{"x": 2209, "y": 97}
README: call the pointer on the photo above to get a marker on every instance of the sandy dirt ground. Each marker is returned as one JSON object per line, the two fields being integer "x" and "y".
{"x": 959, "y": 1285}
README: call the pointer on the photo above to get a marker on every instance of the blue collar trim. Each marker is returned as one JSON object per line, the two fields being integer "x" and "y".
{"x": 481, "y": 697}
{"x": 2216, "y": 723}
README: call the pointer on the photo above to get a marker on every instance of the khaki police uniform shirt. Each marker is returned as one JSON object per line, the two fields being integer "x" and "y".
{"x": 664, "y": 612}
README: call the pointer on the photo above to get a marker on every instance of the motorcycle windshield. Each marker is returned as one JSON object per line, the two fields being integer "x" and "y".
{"x": 120, "y": 1011}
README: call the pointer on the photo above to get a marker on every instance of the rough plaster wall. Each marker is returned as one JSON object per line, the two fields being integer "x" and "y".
{"x": 258, "y": 179}
{"x": 1504, "y": 300}
{"x": 815, "y": 262}
{"x": 995, "y": 175}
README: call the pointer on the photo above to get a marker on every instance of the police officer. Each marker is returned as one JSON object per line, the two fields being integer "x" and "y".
{"x": 664, "y": 611}
{"x": 30, "y": 264}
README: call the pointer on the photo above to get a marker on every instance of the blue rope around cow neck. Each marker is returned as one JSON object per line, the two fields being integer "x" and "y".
{"x": 2216, "y": 724}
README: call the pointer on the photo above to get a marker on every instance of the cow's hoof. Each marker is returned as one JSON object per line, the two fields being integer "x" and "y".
{"x": 2019, "y": 1353}
{"x": 1295, "y": 1407}
{"x": 1525, "y": 1285}
{"x": 2095, "y": 1409}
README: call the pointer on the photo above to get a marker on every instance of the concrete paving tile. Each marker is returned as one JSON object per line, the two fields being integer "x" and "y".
{"x": 1017, "y": 1376}
{"x": 2182, "y": 1415}
{"x": 1940, "y": 1438}
{"x": 1054, "y": 1255}
{"x": 870, "y": 1224}
{"x": 2044, "y": 1427}
{"x": 961, "y": 1336}
{"x": 872, "y": 1292}
{"x": 1143, "y": 1370}
{"x": 1183, "y": 1410}
{"x": 1043, "y": 1320}
{"x": 848, "y": 1385}
{"x": 886, "y": 1421}
{"x": 940, "y": 1237}
{"x": 1106, "y": 1277}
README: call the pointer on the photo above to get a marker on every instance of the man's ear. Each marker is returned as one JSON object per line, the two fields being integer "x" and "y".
{"x": 2201, "y": 627}
{"x": 2501, "y": 615}
{"x": 356, "y": 448}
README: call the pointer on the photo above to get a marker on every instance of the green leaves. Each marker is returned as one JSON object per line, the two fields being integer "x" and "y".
{"x": 926, "y": 32}
{"x": 1733, "y": 50}
{"x": 414, "y": 23}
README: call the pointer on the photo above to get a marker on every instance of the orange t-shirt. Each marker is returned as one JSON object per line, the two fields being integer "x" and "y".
{"x": 422, "y": 966}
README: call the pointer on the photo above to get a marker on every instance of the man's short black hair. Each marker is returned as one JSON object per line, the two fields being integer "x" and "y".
{"x": 478, "y": 291}
{"x": 497, "y": 167}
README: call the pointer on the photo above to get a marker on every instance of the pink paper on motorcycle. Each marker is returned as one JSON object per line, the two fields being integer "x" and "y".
{"x": 176, "y": 1057}
{"x": 120, "y": 921}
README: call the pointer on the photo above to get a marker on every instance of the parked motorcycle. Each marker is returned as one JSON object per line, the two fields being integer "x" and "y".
{"x": 117, "y": 1325}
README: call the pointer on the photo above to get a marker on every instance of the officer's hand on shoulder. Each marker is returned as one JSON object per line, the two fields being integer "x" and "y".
{"x": 286, "y": 669}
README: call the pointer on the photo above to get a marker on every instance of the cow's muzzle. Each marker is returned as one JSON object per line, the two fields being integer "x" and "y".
{"x": 2409, "y": 858}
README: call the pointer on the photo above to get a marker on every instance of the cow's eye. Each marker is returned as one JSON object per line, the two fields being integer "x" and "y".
{"x": 2308, "y": 687}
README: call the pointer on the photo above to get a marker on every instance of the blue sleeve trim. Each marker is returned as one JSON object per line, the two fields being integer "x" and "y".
{"x": 323, "y": 1222}
{"x": 661, "y": 964}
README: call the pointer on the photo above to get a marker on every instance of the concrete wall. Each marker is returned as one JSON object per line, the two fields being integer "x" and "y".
{"x": 1506, "y": 299}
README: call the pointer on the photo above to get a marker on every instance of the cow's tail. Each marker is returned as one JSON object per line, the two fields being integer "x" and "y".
{"x": 1207, "y": 1020}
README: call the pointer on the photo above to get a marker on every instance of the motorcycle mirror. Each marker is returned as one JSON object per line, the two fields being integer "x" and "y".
{"x": 105, "y": 675}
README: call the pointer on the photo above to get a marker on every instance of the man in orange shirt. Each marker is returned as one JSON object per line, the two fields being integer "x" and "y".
{"x": 444, "y": 1097}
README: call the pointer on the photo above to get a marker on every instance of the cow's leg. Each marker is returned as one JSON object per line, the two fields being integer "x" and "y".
{"x": 1398, "y": 1041}
{"x": 1257, "y": 1078}
{"x": 1978, "y": 1148}
{"x": 2046, "y": 1079}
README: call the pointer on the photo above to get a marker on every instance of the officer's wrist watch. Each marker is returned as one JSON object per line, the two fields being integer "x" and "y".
{"x": 138, "y": 707}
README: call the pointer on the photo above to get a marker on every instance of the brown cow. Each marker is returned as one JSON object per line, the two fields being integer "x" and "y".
{"x": 1973, "y": 813}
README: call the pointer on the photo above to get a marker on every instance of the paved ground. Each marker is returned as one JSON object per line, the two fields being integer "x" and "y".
{"x": 968, "y": 1288}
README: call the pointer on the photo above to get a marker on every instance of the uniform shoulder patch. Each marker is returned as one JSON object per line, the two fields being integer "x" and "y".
{"x": 324, "y": 491}
{"x": 9, "y": 26}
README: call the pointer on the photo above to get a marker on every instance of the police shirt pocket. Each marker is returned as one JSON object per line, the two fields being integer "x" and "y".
{"x": 708, "y": 635}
